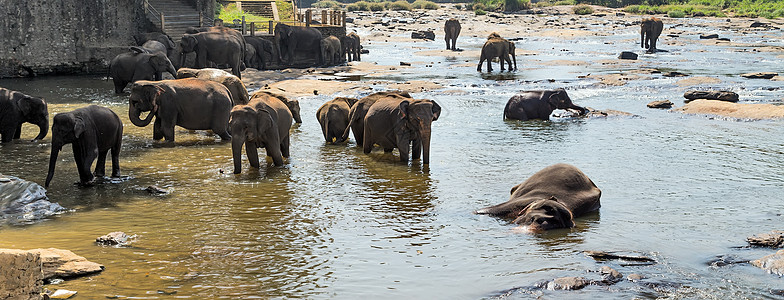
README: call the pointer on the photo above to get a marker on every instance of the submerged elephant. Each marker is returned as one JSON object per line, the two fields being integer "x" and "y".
{"x": 650, "y": 29}
{"x": 139, "y": 64}
{"x": 292, "y": 104}
{"x": 451, "y": 32}
{"x": 549, "y": 199}
{"x": 92, "y": 131}
{"x": 331, "y": 50}
{"x": 396, "y": 122}
{"x": 538, "y": 105}
{"x": 356, "y": 119}
{"x": 496, "y": 46}
{"x": 350, "y": 47}
{"x": 290, "y": 39}
{"x": 191, "y": 103}
{"x": 333, "y": 118}
{"x": 263, "y": 122}
{"x": 239, "y": 94}
{"x": 17, "y": 108}
{"x": 219, "y": 45}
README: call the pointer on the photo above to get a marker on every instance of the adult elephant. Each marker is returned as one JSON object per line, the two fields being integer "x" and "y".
{"x": 17, "y": 108}
{"x": 394, "y": 122}
{"x": 219, "y": 45}
{"x": 191, "y": 103}
{"x": 139, "y": 64}
{"x": 549, "y": 199}
{"x": 164, "y": 39}
{"x": 650, "y": 29}
{"x": 333, "y": 118}
{"x": 292, "y": 104}
{"x": 251, "y": 59}
{"x": 332, "y": 50}
{"x": 289, "y": 39}
{"x": 153, "y": 46}
{"x": 356, "y": 117}
{"x": 451, "y": 32}
{"x": 239, "y": 94}
{"x": 263, "y": 48}
{"x": 92, "y": 131}
{"x": 538, "y": 104}
{"x": 263, "y": 122}
{"x": 495, "y": 46}
{"x": 350, "y": 47}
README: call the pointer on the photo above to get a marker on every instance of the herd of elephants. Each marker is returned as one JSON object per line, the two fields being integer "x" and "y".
{"x": 203, "y": 98}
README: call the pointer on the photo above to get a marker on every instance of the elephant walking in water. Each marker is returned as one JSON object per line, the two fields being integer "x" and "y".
{"x": 139, "y": 64}
{"x": 538, "y": 105}
{"x": 356, "y": 117}
{"x": 333, "y": 118}
{"x": 451, "y": 32}
{"x": 650, "y": 29}
{"x": 396, "y": 122}
{"x": 17, "y": 108}
{"x": 496, "y": 46}
{"x": 263, "y": 122}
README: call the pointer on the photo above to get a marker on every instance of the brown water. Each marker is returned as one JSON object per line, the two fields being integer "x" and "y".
{"x": 335, "y": 223}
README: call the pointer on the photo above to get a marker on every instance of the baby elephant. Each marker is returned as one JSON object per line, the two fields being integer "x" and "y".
{"x": 92, "y": 131}
{"x": 538, "y": 105}
{"x": 17, "y": 108}
{"x": 264, "y": 122}
{"x": 550, "y": 199}
{"x": 333, "y": 117}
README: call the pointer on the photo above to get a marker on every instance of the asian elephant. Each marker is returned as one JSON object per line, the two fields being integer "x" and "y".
{"x": 191, "y": 103}
{"x": 219, "y": 45}
{"x": 92, "y": 131}
{"x": 292, "y": 104}
{"x": 650, "y": 29}
{"x": 549, "y": 199}
{"x": 139, "y": 64}
{"x": 153, "y": 47}
{"x": 17, "y": 108}
{"x": 451, "y": 32}
{"x": 538, "y": 105}
{"x": 396, "y": 122}
{"x": 162, "y": 38}
{"x": 331, "y": 50}
{"x": 495, "y": 46}
{"x": 356, "y": 117}
{"x": 264, "y": 52}
{"x": 350, "y": 47}
{"x": 263, "y": 122}
{"x": 239, "y": 94}
{"x": 289, "y": 39}
{"x": 333, "y": 117}
{"x": 251, "y": 60}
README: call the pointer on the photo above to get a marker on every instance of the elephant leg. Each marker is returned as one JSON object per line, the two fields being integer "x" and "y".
{"x": 18, "y": 132}
{"x": 119, "y": 86}
{"x": 157, "y": 134}
{"x": 100, "y": 165}
{"x": 83, "y": 164}
{"x": 489, "y": 65}
{"x": 116, "y": 158}
{"x": 416, "y": 148}
{"x": 388, "y": 150}
{"x": 403, "y": 146}
{"x": 284, "y": 146}
{"x": 167, "y": 129}
{"x": 253, "y": 153}
{"x": 367, "y": 141}
{"x": 508, "y": 62}
{"x": 479, "y": 67}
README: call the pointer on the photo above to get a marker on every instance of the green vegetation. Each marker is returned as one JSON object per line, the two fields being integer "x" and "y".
{"x": 501, "y": 5}
{"x": 480, "y": 12}
{"x": 717, "y": 8}
{"x": 685, "y": 9}
{"x": 424, "y": 4}
{"x": 398, "y": 5}
{"x": 230, "y": 12}
{"x": 515, "y": 5}
{"x": 458, "y": 6}
{"x": 676, "y": 14}
{"x": 582, "y": 9}
{"x": 378, "y": 5}
{"x": 329, "y": 4}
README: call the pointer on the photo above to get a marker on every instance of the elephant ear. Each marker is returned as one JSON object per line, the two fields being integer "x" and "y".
{"x": 264, "y": 121}
{"x": 78, "y": 127}
{"x": 25, "y": 105}
{"x": 436, "y": 110}
{"x": 153, "y": 92}
{"x": 404, "y": 108}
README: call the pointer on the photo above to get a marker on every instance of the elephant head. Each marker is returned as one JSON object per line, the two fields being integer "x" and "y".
{"x": 558, "y": 99}
{"x": 254, "y": 128}
{"x": 545, "y": 214}
{"x": 35, "y": 111}
{"x": 144, "y": 97}
{"x": 66, "y": 128}
{"x": 188, "y": 44}
{"x": 161, "y": 63}
{"x": 293, "y": 105}
{"x": 419, "y": 114}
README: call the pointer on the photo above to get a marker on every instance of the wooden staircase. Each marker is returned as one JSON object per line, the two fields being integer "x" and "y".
{"x": 263, "y": 8}
{"x": 174, "y": 16}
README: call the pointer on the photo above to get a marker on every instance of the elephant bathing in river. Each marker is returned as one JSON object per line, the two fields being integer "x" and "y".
{"x": 539, "y": 105}
{"x": 451, "y": 32}
{"x": 92, "y": 131}
{"x": 395, "y": 122}
{"x": 496, "y": 46}
{"x": 264, "y": 122}
{"x": 289, "y": 39}
{"x": 239, "y": 94}
{"x": 17, "y": 108}
{"x": 219, "y": 45}
{"x": 549, "y": 199}
{"x": 650, "y": 29}
{"x": 356, "y": 117}
{"x": 292, "y": 104}
{"x": 333, "y": 118}
{"x": 139, "y": 64}
{"x": 191, "y": 103}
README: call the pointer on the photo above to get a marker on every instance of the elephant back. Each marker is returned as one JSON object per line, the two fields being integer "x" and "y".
{"x": 278, "y": 110}
{"x": 563, "y": 181}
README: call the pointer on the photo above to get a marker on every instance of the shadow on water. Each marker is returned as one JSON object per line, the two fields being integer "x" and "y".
{"x": 544, "y": 129}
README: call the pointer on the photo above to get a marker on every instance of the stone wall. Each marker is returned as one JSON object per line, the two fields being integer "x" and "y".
{"x": 21, "y": 275}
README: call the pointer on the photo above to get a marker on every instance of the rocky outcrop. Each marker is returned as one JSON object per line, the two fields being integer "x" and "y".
{"x": 20, "y": 275}
{"x": 117, "y": 238}
{"x": 746, "y": 111}
{"x": 709, "y": 36}
{"x": 773, "y": 263}
{"x": 426, "y": 35}
{"x": 23, "y": 202}
{"x": 660, "y": 104}
{"x": 760, "y": 75}
{"x": 567, "y": 283}
{"x": 59, "y": 263}
{"x": 774, "y": 239}
{"x": 711, "y": 95}
{"x": 628, "y": 55}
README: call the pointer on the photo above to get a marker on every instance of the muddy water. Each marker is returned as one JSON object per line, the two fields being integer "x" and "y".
{"x": 335, "y": 223}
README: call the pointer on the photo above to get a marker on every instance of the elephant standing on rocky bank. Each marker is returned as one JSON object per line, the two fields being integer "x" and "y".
{"x": 333, "y": 118}
{"x": 538, "y": 105}
{"x": 219, "y": 45}
{"x": 496, "y": 46}
{"x": 290, "y": 39}
{"x": 451, "y": 32}
{"x": 263, "y": 122}
{"x": 17, "y": 108}
{"x": 395, "y": 122}
{"x": 139, "y": 64}
{"x": 650, "y": 29}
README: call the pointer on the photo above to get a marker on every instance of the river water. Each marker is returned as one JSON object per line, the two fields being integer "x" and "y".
{"x": 336, "y": 223}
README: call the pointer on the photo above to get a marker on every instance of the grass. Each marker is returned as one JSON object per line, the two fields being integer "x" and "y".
{"x": 480, "y": 12}
{"x": 329, "y": 4}
{"x": 501, "y": 5}
{"x": 685, "y": 9}
{"x": 398, "y": 5}
{"x": 716, "y": 8}
{"x": 676, "y": 14}
{"x": 582, "y": 9}
{"x": 230, "y": 12}
{"x": 378, "y": 5}
{"x": 424, "y": 4}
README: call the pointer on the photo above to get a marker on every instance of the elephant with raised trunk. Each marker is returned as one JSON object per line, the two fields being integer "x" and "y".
{"x": 139, "y": 64}
{"x": 194, "y": 104}
{"x": 549, "y": 199}
{"x": 650, "y": 29}
{"x": 451, "y": 32}
{"x": 496, "y": 46}
{"x": 351, "y": 48}
{"x": 239, "y": 94}
{"x": 219, "y": 45}
{"x": 264, "y": 122}
{"x": 395, "y": 122}
{"x": 333, "y": 118}
{"x": 92, "y": 131}
{"x": 17, "y": 108}
{"x": 539, "y": 105}
{"x": 356, "y": 117}
{"x": 290, "y": 39}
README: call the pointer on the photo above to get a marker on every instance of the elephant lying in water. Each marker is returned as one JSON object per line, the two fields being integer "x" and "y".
{"x": 538, "y": 105}
{"x": 549, "y": 199}
{"x": 17, "y": 108}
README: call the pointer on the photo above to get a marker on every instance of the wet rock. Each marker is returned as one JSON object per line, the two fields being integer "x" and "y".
{"x": 424, "y": 35}
{"x": 759, "y": 75}
{"x": 604, "y": 113}
{"x": 349, "y": 20}
{"x": 773, "y": 263}
{"x": 759, "y": 24}
{"x": 774, "y": 239}
{"x": 744, "y": 111}
{"x": 567, "y": 283}
{"x": 723, "y": 39}
{"x": 711, "y": 95}
{"x": 20, "y": 274}
{"x": 709, "y": 36}
{"x": 402, "y": 63}
{"x": 635, "y": 277}
{"x": 156, "y": 190}
{"x": 674, "y": 74}
{"x": 364, "y": 51}
{"x": 24, "y": 202}
{"x": 610, "y": 275}
{"x": 64, "y": 264}
{"x": 117, "y": 238}
{"x": 726, "y": 260}
{"x": 628, "y": 55}
{"x": 602, "y": 255}
{"x": 62, "y": 294}
{"x": 667, "y": 104}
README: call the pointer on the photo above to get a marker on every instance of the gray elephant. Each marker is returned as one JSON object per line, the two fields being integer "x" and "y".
{"x": 333, "y": 117}
{"x": 332, "y": 50}
{"x": 219, "y": 45}
{"x": 251, "y": 59}
{"x": 17, "y": 108}
{"x": 351, "y": 48}
{"x": 290, "y": 39}
{"x": 263, "y": 48}
{"x": 549, "y": 199}
{"x": 451, "y": 32}
{"x": 263, "y": 122}
{"x": 395, "y": 122}
{"x": 495, "y": 46}
{"x": 239, "y": 94}
{"x": 164, "y": 39}
{"x": 292, "y": 104}
{"x": 139, "y": 64}
{"x": 650, "y": 29}
{"x": 191, "y": 103}
{"x": 153, "y": 47}
{"x": 539, "y": 105}
{"x": 92, "y": 131}
{"x": 356, "y": 117}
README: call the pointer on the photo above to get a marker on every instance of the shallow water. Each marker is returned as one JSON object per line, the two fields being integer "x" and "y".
{"x": 335, "y": 223}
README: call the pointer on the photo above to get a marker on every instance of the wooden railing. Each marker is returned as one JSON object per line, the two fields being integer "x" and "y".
{"x": 333, "y": 19}
{"x": 160, "y": 20}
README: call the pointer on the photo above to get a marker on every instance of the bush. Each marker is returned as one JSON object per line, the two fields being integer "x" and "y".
{"x": 676, "y": 14}
{"x": 424, "y": 4}
{"x": 230, "y": 12}
{"x": 330, "y": 4}
{"x": 376, "y": 6}
{"x": 582, "y": 9}
{"x": 515, "y": 5}
{"x": 480, "y": 12}
{"x": 479, "y": 6}
{"x": 565, "y": 2}
{"x": 399, "y": 5}
{"x": 358, "y": 6}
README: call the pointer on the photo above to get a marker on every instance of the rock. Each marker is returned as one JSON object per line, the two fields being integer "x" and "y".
{"x": 709, "y": 36}
{"x": 156, "y": 190}
{"x": 711, "y": 95}
{"x": 774, "y": 239}
{"x": 760, "y": 75}
{"x": 674, "y": 74}
{"x": 117, "y": 238}
{"x": 402, "y": 63}
{"x": 567, "y": 283}
{"x": 660, "y": 104}
{"x": 364, "y": 51}
{"x": 425, "y": 35}
{"x": 723, "y": 39}
{"x": 759, "y": 24}
{"x": 21, "y": 276}
{"x": 64, "y": 264}
{"x": 610, "y": 274}
{"x": 773, "y": 263}
{"x": 726, "y": 260}
{"x": 745, "y": 111}
{"x": 628, "y": 55}
{"x": 602, "y": 255}
{"x": 62, "y": 294}
{"x": 24, "y": 202}
{"x": 349, "y": 20}
{"x": 634, "y": 277}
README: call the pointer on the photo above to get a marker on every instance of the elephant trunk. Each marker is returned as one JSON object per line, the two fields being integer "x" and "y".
{"x": 236, "y": 151}
{"x": 278, "y": 40}
{"x": 172, "y": 70}
{"x": 134, "y": 113}
{"x": 43, "y": 129}
{"x": 56, "y": 146}
{"x": 582, "y": 110}
{"x": 424, "y": 136}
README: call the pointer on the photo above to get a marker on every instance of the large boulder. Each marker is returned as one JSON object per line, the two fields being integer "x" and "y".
{"x": 711, "y": 95}
{"x": 628, "y": 55}
{"x": 773, "y": 263}
{"x": 24, "y": 202}
{"x": 746, "y": 111}
{"x": 426, "y": 35}
{"x": 59, "y": 263}
{"x": 760, "y": 75}
{"x": 660, "y": 104}
{"x": 20, "y": 275}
